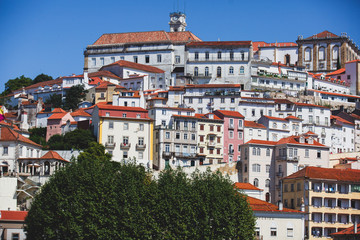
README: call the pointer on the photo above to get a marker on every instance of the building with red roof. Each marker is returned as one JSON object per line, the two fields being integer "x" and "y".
{"x": 324, "y": 51}
{"x": 55, "y": 122}
{"x": 12, "y": 224}
{"x": 331, "y": 197}
{"x": 350, "y": 233}
{"x": 283, "y": 52}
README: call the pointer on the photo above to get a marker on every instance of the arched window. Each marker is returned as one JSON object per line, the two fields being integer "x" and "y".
{"x": 307, "y": 54}
{"x": 321, "y": 53}
{"x": 335, "y": 52}
{"x": 231, "y": 70}
{"x": 206, "y": 71}
{"x": 242, "y": 70}
{"x": 196, "y": 71}
{"x": 254, "y": 150}
{"x": 267, "y": 197}
{"x": 256, "y": 182}
{"x": 218, "y": 72}
{"x": 47, "y": 168}
{"x": 267, "y": 183}
{"x": 274, "y": 125}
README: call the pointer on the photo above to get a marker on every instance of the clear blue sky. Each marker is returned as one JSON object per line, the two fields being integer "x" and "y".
{"x": 49, "y": 36}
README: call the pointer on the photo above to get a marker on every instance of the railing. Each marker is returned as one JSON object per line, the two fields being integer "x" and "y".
{"x": 185, "y": 155}
{"x": 140, "y": 146}
{"x": 231, "y": 126}
{"x": 211, "y": 143}
{"x": 110, "y": 145}
{"x": 125, "y": 145}
{"x": 288, "y": 158}
{"x": 167, "y": 154}
{"x": 216, "y": 59}
{"x": 222, "y": 93}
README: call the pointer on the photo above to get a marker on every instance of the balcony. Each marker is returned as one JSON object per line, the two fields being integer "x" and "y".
{"x": 125, "y": 145}
{"x": 110, "y": 145}
{"x": 167, "y": 154}
{"x": 199, "y": 75}
{"x": 288, "y": 158}
{"x": 216, "y": 59}
{"x": 222, "y": 93}
{"x": 140, "y": 146}
{"x": 211, "y": 143}
{"x": 231, "y": 126}
{"x": 280, "y": 174}
{"x": 185, "y": 155}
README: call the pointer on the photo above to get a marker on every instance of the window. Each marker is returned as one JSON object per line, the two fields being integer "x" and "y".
{"x": 163, "y": 112}
{"x": 141, "y": 127}
{"x": 240, "y": 135}
{"x": 93, "y": 61}
{"x": 206, "y": 71}
{"x": 196, "y": 71}
{"x": 193, "y": 136}
{"x": 219, "y": 55}
{"x": 201, "y": 138}
{"x": 141, "y": 141}
{"x": 242, "y": 70}
{"x": 126, "y": 126}
{"x": 242, "y": 56}
{"x": 163, "y": 123}
{"x": 167, "y": 135}
{"x": 218, "y": 72}
{"x": 177, "y": 135}
{"x": 5, "y": 150}
{"x": 231, "y": 134}
{"x": 290, "y": 232}
{"x": 256, "y": 167}
{"x": 147, "y": 58}
{"x": 200, "y": 110}
{"x": 135, "y": 59}
{"x": 200, "y": 100}
{"x": 185, "y": 136}
{"x": 273, "y": 232}
{"x": 268, "y": 152}
{"x": 267, "y": 168}
{"x": 318, "y": 154}
{"x": 125, "y": 155}
{"x": 112, "y": 59}
{"x": 335, "y": 52}
{"x": 159, "y": 58}
{"x": 321, "y": 53}
{"x": 231, "y": 55}
{"x": 111, "y": 125}
{"x": 140, "y": 155}
{"x": 267, "y": 183}
{"x": 196, "y": 56}
{"x": 177, "y": 59}
{"x": 124, "y": 115}
{"x": 207, "y": 55}
{"x": 15, "y": 236}
{"x": 307, "y": 54}
{"x": 102, "y": 62}
{"x": 256, "y": 182}
{"x": 306, "y": 153}
{"x": 231, "y": 70}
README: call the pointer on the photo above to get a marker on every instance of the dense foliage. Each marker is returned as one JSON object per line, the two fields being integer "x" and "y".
{"x": 95, "y": 198}
{"x": 55, "y": 100}
{"x": 42, "y": 78}
{"x": 75, "y": 95}
{"x": 77, "y": 139}
{"x": 38, "y": 135}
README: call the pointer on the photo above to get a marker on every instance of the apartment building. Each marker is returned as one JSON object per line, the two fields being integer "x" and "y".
{"x": 277, "y": 128}
{"x": 126, "y": 132}
{"x": 233, "y": 134}
{"x": 176, "y": 143}
{"x": 331, "y": 197}
{"x": 252, "y": 108}
{"x": 254, "y": 130}
{"x": 283, "y": 52}
{"x": 342, "y": 135}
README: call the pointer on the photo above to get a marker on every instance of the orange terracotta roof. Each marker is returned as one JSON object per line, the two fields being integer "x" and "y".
{"x": 57, "y": 81}
{"x": 227, "y": 113}
{"x": 206, "y": 116}
{"x": 296, "y": 140}
{"x": 275, "y": 118}
{"x": 9, "y": 125}
{"x": 10, "y": 115}
{"x": 145, "y": 37}
{"x": 293, "y": 117}
{"x": 308, "y": 104}
{"x": 353, "y": 61}
{"x": 335, "y": 94}
{"x": 260, "y": 44}
{"x": 346, "y": 175}
{"x": 252, "y": 124}
{"x": 57, "y": 116}
{"x": 246, "y": 186}
{"x": 348, "y": 231}
{"x": 12, "y": 215}
{"x": 341, "y": 120}
{"x": 176, "y": 88}
{"x": 7, "y": 134}
{"x": 103, "y": 73}
{"x": 95, "y": 81}
{"x": 105, "y": 84}
{"x": 185, "y": 116}
{"x": 58, "y": 110}
{"x": 324, "y": 34}
{"x": 120, "y": 108}
{"x": 80, "y": 112}
{"x": 212, "y": 86}
{"x": 310, "y": 133}
{"x": 25, "y": 103}
{"x": 283, "y": 101}
{"x": 53, "y": 155}
{"x": 218, "y": 43}
{"x": 262, "y": 142}
{"x": 258, "y": 205}
{"x": 339, "y": 71}
{"x": 138, "y": 66}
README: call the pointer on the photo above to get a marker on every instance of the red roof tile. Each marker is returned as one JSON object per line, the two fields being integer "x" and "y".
{"x": 8, "y": 134}
{"x": 348, "y": 231}
{"x": 218, "y": 43}
{"x": 339, "y": 71}
{"x": 13, "y": 215}
{"x": 262, "y": 142}
{"x": 310, "y": 133}
{"x": 138, "y": 66}
{"x": 227, "y": 113}
{"x": 296, "y": 140}
{"x": 176, "y": 88}
{"x": 246, "y": 186}
{"x": 53, "y": 155}
{"x": 353, "y": 61}
{"x": 57, "y": 116}
{"x": 347, "y": 175}
{"x": 213, "y": 86}
{"x": 275, "y": 118}
{"x": 58, "y": 110}
{"x": 341, "y": 120}
{"x": 308, "y": 104}
{"x": 324, "y": 34}
{"x": 105, "y": 84}
{"x": 120, "y": 108}
{"x": 144, "y": 37}
{"x": 257, "y": 45}
{"x": 334, "y": 94}
{"x": 103, "y": 73}
{"x": 293, "y": 117}
{"x": 57, "y": 81}
{"x": 80, "y": 112}
{"x": 258, "y": 205}
{"x": 252, "y": 124}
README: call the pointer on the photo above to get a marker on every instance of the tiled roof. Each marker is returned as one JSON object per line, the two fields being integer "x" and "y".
{"x": 296, "y": 140}
{"x": 348, "y": 231}
{"x": 146, "y": 37}
{"x": 341, "y": 120}
{"x": 283, "y": 101}
{"x": 206, "y": 116}
{"x": 334, "y": 94}
{"x": 13, "y": 215}
{"x": 339, "y": 71}
{"x": 8, "y": 134}
{"x": 10, "y": 115}
{"x": 57, "y": 81}
{"x": 9, "y": 125}
{"x": 258, "y": 205}
{"x": 58, "y": 110}
{"x": 227, "y": 113}
{"x": 103, "y": 73}
{"x": 293, "y": 117}
{"x": 57, "y": 116}
{"x": 219, "y": 43}
{"x": 308, "y": 104}
{"x": 176, "y": 108}
{"x": 176, "y": 88}
{"x": 80, "y": 112}
{"x": 212, "y": 86}
{"x": 120, "y": 108}
{"x": 246, "y": 186}
{"x": 252, "y": 124}
{"x": 105, "y": 84}
{"x": 324, "y": 34}
{"x": 257, "y": 45}
{"x": 262, "y": 142}
{"x": 310, "y": 133}
{"x": 53, "y": 155}
{"x": 138, "y": 66}
{"x": 275, "y": 118}
{"x": 353, "y": 61}
{"x": 95, "y": 81}
{"x": 346, "y": 175}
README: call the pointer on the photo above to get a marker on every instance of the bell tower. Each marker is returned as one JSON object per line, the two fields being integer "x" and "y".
{"x": 177, "y": 22}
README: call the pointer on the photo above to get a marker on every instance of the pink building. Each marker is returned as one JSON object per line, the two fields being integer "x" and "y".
{"x": 233, "y": 133}
{"x": 54, "y": 123}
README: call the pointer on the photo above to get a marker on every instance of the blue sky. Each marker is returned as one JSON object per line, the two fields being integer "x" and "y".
{"x": 49, "y": 36}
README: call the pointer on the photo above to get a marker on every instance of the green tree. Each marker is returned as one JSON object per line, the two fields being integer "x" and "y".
{"x": 96, "y": 198}
{"x": 77, "y": 139}
{"x": 38, "y": 135}
{"x": 16, "y": 83}
{"x": 56, "y": 142}
{"x": 74, "y": 96}
{"x": 55, "y": 100}
{"x": 42, "y": 78}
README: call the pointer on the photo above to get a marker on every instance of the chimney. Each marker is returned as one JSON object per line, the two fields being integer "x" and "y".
{"x": 86, "y": 77}
{"x": 280, "y": 206}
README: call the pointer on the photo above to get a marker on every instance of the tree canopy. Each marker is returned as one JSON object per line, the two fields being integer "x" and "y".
{"x": 96, "y": 198}
{"x": 55, "y": 100}
{"x": 42, "y": 78}
{"x": 16, "y": 83}
{"x": 38, "y": 135}
{"x": 77, "y": 139}
{"x": 74, "y": 96}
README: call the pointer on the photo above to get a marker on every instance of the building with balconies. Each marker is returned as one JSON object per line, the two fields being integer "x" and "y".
{"x": 331, "y": 198}
{"x": 126, "y": 132}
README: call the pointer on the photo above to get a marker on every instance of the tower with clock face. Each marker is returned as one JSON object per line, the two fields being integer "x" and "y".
{"x": 177, "y": 22}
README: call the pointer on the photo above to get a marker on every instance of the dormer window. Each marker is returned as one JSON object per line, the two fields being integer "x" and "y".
{"x": 211, "y": 116}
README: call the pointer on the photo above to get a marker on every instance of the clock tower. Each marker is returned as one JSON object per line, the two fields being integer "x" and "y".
{"x": 177, "y": 22}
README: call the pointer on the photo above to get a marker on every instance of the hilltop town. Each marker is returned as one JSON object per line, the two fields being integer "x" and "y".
{"x": 281, "y": 119}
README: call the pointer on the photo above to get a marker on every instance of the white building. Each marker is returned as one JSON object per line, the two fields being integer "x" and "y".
{"x": 342, "y": 135}
{"x": 283, "y": 52}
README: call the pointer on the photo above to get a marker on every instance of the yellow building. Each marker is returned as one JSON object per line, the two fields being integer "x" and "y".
{"x": 331, "y": 197}
{"x": 210, "y": 138}
{"x": 105, "y": 91}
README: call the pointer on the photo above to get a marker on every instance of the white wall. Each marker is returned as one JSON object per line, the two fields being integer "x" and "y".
{"x": 8, "y": 200}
